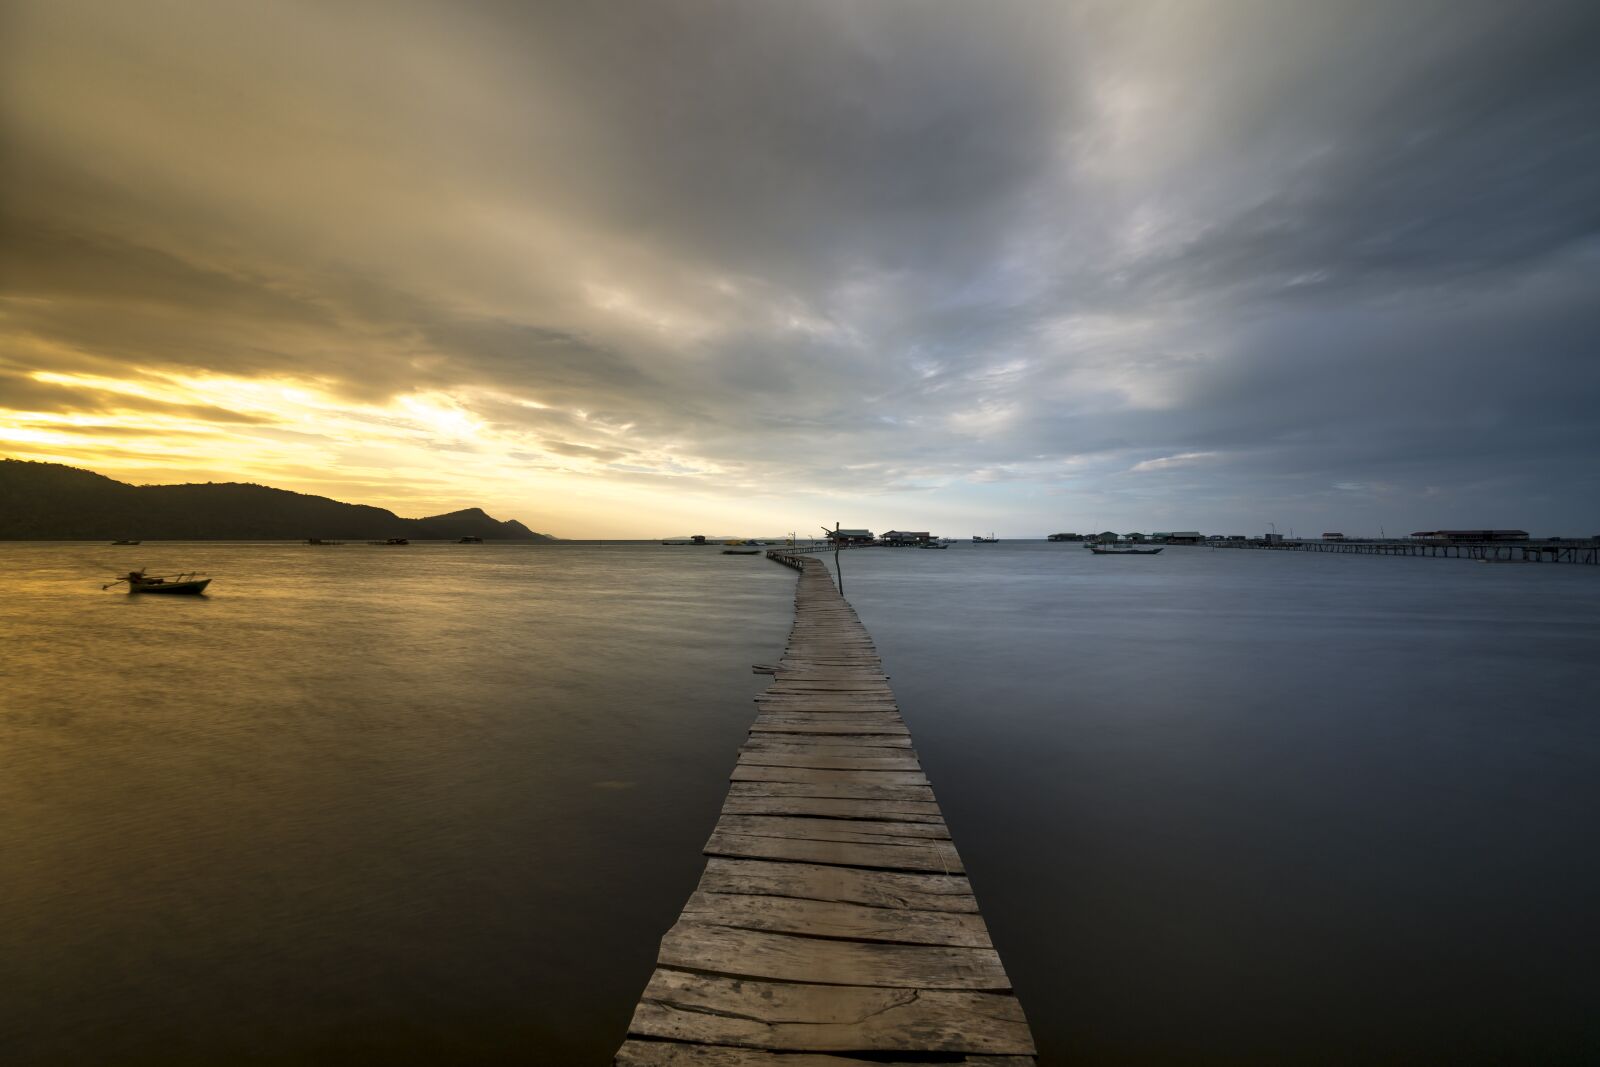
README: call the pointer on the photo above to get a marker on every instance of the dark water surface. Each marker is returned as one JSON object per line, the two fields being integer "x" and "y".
{"x": 433, "y": 804}
{"x": 437, "y": 804}
{"x": 1228, "y": 806}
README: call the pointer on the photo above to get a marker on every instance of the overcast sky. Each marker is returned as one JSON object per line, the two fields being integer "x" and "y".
{"x": 636, "y": 269}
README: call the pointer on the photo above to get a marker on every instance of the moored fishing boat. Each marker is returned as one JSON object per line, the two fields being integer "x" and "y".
{"x": 391, "y": 541}
{"x": 1102, "y": 551}
{"x": 140, "y": 582}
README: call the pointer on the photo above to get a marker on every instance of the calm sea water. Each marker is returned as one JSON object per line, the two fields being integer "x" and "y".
{"x": 437, "y": 804}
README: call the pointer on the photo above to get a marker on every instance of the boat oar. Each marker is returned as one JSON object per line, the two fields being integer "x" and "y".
{"x": 108, "y": 585}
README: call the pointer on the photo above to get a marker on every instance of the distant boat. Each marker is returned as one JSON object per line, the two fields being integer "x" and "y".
{"x": 470, "y": 540}
{"x": 947, "y": 540}
{"x": 978, "y": 539}
{"x": 391, "y": 541}
{"x": 139, "y": 582}
{"x": 320, "y": 541}
{"x": 1102, "y": 551}
{"x": 741, "y": 552}
{"x": 933, "y": 544}
{"x": 125, "y": 542}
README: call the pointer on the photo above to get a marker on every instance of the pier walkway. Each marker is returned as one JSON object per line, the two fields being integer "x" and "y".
{"x": 834, "y": 916}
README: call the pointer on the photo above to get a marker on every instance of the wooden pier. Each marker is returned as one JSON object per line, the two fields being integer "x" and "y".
{"x": 834, "y": 920}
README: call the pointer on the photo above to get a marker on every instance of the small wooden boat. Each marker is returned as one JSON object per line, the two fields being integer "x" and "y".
{"x": 1097, "y": 550}
{"x": 320, "y": 541}
{"x": 391, "y": 541}
{"x": 933, "y": 544}
{"x": 470, "y": 540}
{"x": 140, "y": 582}
{"x": 125, "y": 542}
{"x": 741, "y": 552}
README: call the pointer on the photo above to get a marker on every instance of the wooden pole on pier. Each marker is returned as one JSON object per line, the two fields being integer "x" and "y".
{"x": 834, "y": 916}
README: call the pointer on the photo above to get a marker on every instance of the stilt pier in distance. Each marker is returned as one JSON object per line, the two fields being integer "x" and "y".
{"x": 834, "y": 924}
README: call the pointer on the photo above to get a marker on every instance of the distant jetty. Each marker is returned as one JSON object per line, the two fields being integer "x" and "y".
{"x": 1552, "y": 550}
{"x": 54, "y": 502}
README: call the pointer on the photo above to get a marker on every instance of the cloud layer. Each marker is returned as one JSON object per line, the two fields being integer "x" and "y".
{"x": 615, "y": 268}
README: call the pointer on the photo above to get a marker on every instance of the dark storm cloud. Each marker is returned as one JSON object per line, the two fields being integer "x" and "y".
{"x": 1186, "y": 260}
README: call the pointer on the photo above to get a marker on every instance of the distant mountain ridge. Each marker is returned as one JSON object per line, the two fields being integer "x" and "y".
{"x": 54, "y": 502}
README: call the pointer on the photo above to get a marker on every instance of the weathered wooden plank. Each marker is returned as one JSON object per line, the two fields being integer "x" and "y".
{"x": 800, "y": 729}
{"x": 825, "y": 699}
{"x": 841, "y": 790}
{"x": 806, "y": 687}
{"x": 824, "y": 715}
{"x": 889, "y": 720}
{"x": 865, "y": 831}
{"x": 829, "y": 918}
{"x": 860, "y": 745}
{"x": 793, "y": 671}
{"x": 681, "y": 1054}
{"x": 764, "y": 757}
{"x": 834, "y": 808}
{"x": 742, "y": 773}
{"x": 785, "y": 1015}
{"x": 784, "y": 957}
{"x": 808, "y": 881}
{"x": 821, "y": 706}
{"x": 939, "y": 856}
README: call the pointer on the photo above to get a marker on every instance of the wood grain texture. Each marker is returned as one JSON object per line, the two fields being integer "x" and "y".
{"x": 835, "y": 919}
{"x": 937, "y": 856}
{"x": 783, "y": 1015}
{"x": 760, "y": 954}
{"x": 834, "y": 808}
{"x": 874, "y": 888}
{"x": 859, "y": 745}
{"x": 811, "y": 775}
{"x": 679, "y": 1054}
{"x": 843, "y": 790}
{"x": 858, "y": 761}
{"x": 863, "y": 830}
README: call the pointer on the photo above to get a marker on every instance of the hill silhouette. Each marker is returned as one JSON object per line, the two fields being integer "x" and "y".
{"x": 54, "y": 502}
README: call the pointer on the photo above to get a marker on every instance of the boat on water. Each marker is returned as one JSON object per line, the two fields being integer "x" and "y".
{"x": 391, "y": 541}
{"x": 741, "y": 552}
{"x": 125, "y": 542}
{"x": 947, "y": 540}
{"x": 979, "y": 539}
{"x": 1101, "y": 550}
{"x": 933, "y": 544}
{"x": 320, "y": 541}
{"x": 470, "y": 540}
{"x": 140, "y": 582}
